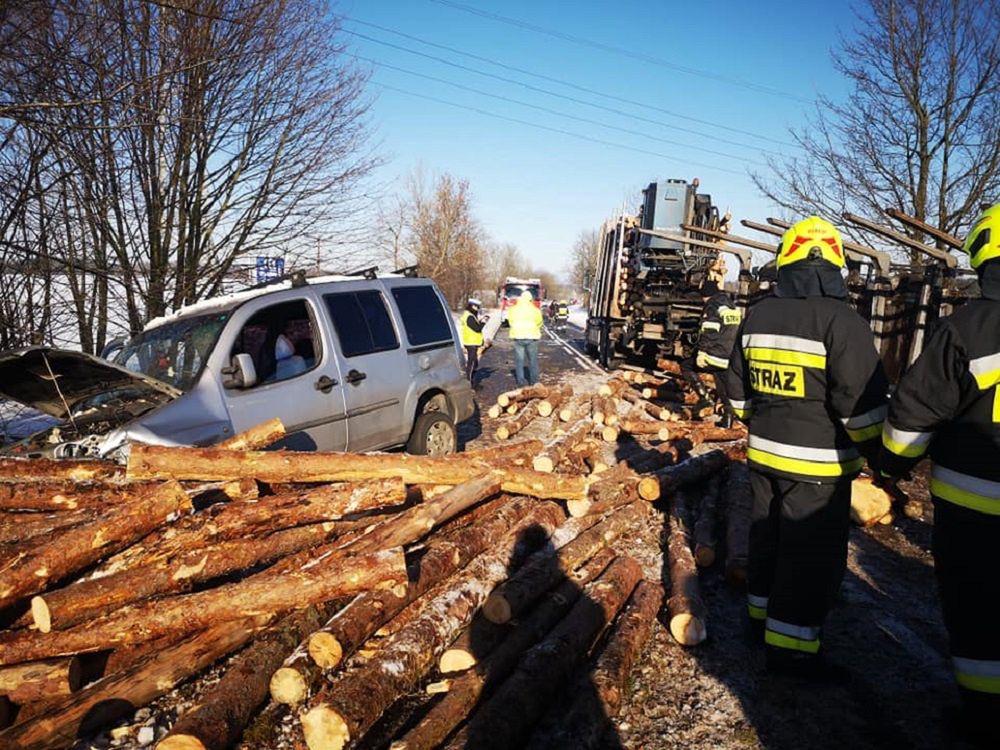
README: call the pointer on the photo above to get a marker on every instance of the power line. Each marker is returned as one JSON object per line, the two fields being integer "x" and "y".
{"x": 557, "y": 113}
{"x": 630, "y": 53}
{"x": 551, "y": 129}
{"x": 547, "y": 92}
{"x": 576, "y": 86}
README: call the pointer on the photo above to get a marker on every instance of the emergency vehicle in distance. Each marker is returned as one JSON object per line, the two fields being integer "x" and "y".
{"x": 512, "y": 289}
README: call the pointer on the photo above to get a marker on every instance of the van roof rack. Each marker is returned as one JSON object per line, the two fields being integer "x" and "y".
{"x": 297, "y": 278}
{"x": 367, "y": 273}
{"x": 408, "y": 271}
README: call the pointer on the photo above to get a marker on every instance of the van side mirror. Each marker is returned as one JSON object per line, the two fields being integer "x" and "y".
{"x": 241, "y": 372}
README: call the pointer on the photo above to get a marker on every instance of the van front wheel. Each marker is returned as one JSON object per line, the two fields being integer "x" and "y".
{"x": 433, "y": 434}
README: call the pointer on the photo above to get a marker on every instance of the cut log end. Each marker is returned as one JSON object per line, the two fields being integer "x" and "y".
{"x": 543, "y": 463}
{"x": 704, "y": 555}
{"x": 649, "y": 488}
{"x": 40, "y": 614}
{"x": 288, "y": 686}
{"x": 687, "y": 629}
{"x": 545, "y": 408}
{"x": 325, "y": 649}
{"x": 181, "y": 742}
{"x": 578, "y": 508}
{"x": 609, "y": 434}
{"x": 456, "y": 660}
{"x": 494, "y": 411}
{"x": 502, "y": 433}
{"x": 325, "y": 729}
{"x": 566, "y": 415}
{"x": 497, "y": 609}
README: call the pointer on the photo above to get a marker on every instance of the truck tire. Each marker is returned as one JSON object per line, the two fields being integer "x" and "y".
{"x": 434, "y": 434}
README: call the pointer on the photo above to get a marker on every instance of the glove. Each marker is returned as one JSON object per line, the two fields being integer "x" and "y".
{"x": 701, "y": 360}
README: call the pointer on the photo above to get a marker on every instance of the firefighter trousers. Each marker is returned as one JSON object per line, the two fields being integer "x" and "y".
{"x": 965, "y": 543}
{"x": 798, "y": 555}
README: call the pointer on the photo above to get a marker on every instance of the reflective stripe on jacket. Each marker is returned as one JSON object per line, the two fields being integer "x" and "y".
{"x": 525, "y": 321}
{"x": 720, "y": 322}
{"x": 469, "y": 336}
{"x": 809, "y": 383}
{"x": 948, "y": 404}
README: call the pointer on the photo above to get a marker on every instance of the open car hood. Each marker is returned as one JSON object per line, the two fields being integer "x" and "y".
{"x": 26, "y": 376}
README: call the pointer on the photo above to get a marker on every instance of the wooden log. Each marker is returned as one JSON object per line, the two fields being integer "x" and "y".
{"x": 669, "y": 366}
{"x": 609, "y": 434}
{"x": 685, "y": 605}
{"x": 86, "y": 600}
{"x": 597, "y": 406}
{"x": 359, "y": 620}
{"x": 708, "y": 520}
{"x": 691, "y": 471}
{"x": 346, "y": 708}
{"x": 640, "y": 378}
{"x": 635, "y": 426}
{"x": 479, "y": 640}
{"x": 601, "y": 692}
{"x": 255, "y": 438}
{"x": 549, "y": 567}
{"x": 116, "y": 696}
{"x": 514, "y": 425}
{"x": 59, "y": 495}
{"x": 527, "y": 393}
{"x": 331, "y": 574}
{"x": 507, "y": 719}
{"x": 869, "y": 502}
{"x": 494, "y": 665}
{"x": 556, "y": 451}
{"x": 48, "y": 470}
{"x": 156, "y": 462}
{"x": 554, "y": 400}
{"x": 617, "y": 487}
{"x": 20, "y": 527}
{"x": 80, "y": 546}
{"x": 739, "y": 502}
{"x": 613, "y": 387}
{"x": 610, "y": 410}
{"x": 218, "y": 720}
{"x": 40, "y": 680}
{"x": 656, "y": 412}
{"x": 517, "y": 453}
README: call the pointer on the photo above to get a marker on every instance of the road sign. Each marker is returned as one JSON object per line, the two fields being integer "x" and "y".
{"x": 269, "y": 269}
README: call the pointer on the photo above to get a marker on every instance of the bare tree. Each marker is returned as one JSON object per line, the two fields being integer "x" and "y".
{"x": 921, "y": 128}
{"x": 583, "y": 261}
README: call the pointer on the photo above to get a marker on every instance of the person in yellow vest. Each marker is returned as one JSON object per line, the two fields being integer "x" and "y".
{"x": 471, "y": 326}
{"x": 525, "y": 321}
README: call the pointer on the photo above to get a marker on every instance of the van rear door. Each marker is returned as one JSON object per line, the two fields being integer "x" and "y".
{"x": 373, "y": 366}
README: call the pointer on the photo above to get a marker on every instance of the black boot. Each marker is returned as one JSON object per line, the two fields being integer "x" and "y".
{"x": 812, "y": 668}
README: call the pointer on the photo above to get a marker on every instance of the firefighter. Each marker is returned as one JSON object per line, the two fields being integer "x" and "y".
{"x": 472, "y": 336}
{"x": 807, "y": 380}
{"x": 720, "y": 321}
{"x": 948, "y": 404}
{"x": 525, "y": 330}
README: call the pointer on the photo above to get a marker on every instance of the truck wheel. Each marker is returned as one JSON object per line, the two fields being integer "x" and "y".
{"x": 433, "y": 434}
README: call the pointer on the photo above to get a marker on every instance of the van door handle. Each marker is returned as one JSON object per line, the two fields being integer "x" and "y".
{"x": 354, "y": 377}
{"x": 325, "y": 384}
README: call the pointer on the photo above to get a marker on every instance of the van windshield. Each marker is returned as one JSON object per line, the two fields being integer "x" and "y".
{"x": 513, "y": 291}
{"x": 174, "y": 353}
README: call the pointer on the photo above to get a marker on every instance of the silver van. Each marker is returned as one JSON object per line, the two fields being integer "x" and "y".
{"x": 347, "y": 363}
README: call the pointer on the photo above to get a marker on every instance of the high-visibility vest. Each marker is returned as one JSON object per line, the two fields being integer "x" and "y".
{"x": 525, "y": 321}
{"x": 470, "y": 337}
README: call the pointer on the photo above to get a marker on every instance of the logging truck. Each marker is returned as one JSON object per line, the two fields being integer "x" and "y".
{"x": 644, "y": 301}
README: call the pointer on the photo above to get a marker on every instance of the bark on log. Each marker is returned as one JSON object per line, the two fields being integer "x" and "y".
{"x": 257, "y": 437}
{"x": 527, "y": 393}
{"x": 515, "y": 424}
{"x": 554, "y": 400}
{"x": 705, "y": 534}
{"x": 48, "y": 470}
{"x": 634, "y": 426}
{"x": 351, "y": 704}
{"x": 331, "y": 574}
{"x": 610, "y": 410}
{"x": 40, "y": 680}
{"x": 618, "y": 486}
{"x": 597, "y": 406}
{"x": 507, "y": 719}
{"x": 557, "y": 450}
{"x": 80, "y": 546}
{"x": 669, "y": 366}
{"x": 494, "y": 665}
{"x": 600, "y": 692}
{"x": 113, "y": 697}
{"x": 613, "y": 387}
{"x": 20, "y": 527}
{"x": 739, "y": 502}
{"x": 656, "y": 412}
{"x": 549, "y": 567}
{"x": 640, "y": 378}
{"x": 685, "y": 605}
{"x": 693, "y": 470}
{"x": 87, "y": 600}
{"x": 206, "y": 463}
{"x": 218, "y": 720}
{"x": 64, "y": 495}
{"x": 517, "y": 453}
{"x": 358, "y": 621}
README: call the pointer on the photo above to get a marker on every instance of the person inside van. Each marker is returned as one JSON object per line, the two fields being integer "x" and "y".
{"x": 288, "y": 364}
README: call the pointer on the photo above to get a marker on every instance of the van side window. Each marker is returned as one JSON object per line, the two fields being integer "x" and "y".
{"x": 362, "y": 323}
{"x": 425, "y": 320}
{"x": 282, "y": 341}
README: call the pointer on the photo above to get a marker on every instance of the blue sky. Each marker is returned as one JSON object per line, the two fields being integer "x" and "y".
{"x": 753, "y": 68}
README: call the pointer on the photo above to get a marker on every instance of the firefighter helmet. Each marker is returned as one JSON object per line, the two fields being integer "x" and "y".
{"x": 811, "y": 238}
{"x": 983, "y": 242}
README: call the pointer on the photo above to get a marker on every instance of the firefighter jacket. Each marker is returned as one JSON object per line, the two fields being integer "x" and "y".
{"x": 948, "y": 404}
{"x": 806, "y": 378}
{"x": 525, "y": 320}
{"x": 472, "y": 329}
{"x": 720, "y": 321}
